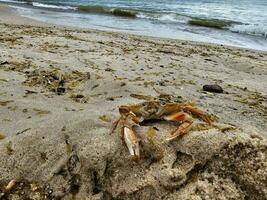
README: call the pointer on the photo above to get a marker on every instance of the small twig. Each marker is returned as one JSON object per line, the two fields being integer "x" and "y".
{"x": 20, "y": 132}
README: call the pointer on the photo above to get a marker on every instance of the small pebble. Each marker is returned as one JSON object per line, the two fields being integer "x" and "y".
{"x": 110, "y": 99}
{"x": 4, "y": 63}
{"x": 123, "y": 84}
{"x": 161, "y": 83}
{"x": 88, "y": 75}
{"x": 79, "y": 96}
{"x": 61, "y": 90}
{"x": 109, "y": 70}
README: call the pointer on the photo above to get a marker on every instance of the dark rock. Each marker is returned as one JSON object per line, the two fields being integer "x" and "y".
{"x": 88, "y": 74}
{"x": 25, "y": 110}
{"x": 79, "y": 96}
{"x": 110, "y": 99}
{"x": 161, "y": 83}
{"x": 123, "y": 84}
{"x": 61, "y": 90}
{"x": 4, "y": 63}
{"x": 30, "y": 92}
{"x": 207, "y": 59}
{"x": 61, "y": 82}
{"x": 213, "y": 88}
{"x": 108, "y": 70}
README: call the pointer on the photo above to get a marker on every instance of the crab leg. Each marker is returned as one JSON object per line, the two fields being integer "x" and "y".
{"x": 114, "y": 125}
{"x": 183, "y": 128}
{"x": 204, "y": 116}
{"x": 131, "y": 142}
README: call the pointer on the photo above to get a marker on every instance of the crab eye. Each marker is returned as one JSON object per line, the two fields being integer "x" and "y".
{"x": 124, "y": 110}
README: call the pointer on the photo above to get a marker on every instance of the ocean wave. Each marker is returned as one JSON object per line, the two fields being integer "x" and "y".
{"x": 52, "y": 6}
{"x": 107, "y": 10}
{"x": 211, "y": 23}
{"x": 250, "y": 29}
{"x": 13, "y": 1}
{"x": 164, "y": 17}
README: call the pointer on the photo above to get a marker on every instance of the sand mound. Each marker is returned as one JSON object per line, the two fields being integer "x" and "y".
{"x": 86, "y": 162}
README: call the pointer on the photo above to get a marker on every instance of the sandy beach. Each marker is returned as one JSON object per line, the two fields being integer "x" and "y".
{"x": 60, "y": 89}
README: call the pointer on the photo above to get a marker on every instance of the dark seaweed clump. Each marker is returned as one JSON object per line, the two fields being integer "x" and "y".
{"x": 212, "y": 23}
{"x": 107, "y": 11}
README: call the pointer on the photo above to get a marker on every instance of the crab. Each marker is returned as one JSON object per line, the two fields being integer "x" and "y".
{"x": 132, "y": 115}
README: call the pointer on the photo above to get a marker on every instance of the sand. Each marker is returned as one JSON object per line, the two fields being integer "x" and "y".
{"x": 60, "y": 88}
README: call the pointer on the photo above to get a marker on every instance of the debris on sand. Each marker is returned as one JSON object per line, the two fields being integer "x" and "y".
{"x": 2, "y": 136}
{"x": 17, "y": 66}
{"x": 255, "y": 101}
{"x": 18, "y": 188}
{"x": 10, "y": 185}
{"x": 3, "y": 62}
{"x": 4, "y": 103}
{"x": 142, "y": 97}
{"x": 80, "y": 98}
{"x": 105, "y": 118}
{"x": 55, "y": 81}
{"x": 23, "y": 131}
{"x": 41, "y": 112}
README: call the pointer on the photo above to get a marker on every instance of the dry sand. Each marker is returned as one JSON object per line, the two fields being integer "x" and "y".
{"x": 60, "y": 89}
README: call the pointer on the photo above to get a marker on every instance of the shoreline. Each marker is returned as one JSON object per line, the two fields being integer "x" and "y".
{"x": 60, "y": 89}
{"x": 18, "y": 19}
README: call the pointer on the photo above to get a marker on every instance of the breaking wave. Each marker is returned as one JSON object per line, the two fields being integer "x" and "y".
{"x": 107, "y": 10}
{"x": 250, "y": 29}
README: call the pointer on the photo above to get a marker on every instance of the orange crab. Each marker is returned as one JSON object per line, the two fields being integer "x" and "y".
{"x": 133, "y": 115}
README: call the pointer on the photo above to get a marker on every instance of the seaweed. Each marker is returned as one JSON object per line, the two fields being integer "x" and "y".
{"x": 104, "y": 118}
{"x": 142, "y": 97}
{"x": 4, "y": 103}
{"x": 55, "y": 81}
{"x": 9, "y": 148}
{"x": 256, "y": 101}
{"x": 21, "y": 188}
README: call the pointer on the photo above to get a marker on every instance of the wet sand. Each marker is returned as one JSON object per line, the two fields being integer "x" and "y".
{"x": 60, "y": 89}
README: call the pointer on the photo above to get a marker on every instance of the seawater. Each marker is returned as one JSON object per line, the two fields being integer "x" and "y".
{"x": 240, "y": 23}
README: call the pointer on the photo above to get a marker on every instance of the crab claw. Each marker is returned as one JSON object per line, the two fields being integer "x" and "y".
{"x": 132, "y": 143}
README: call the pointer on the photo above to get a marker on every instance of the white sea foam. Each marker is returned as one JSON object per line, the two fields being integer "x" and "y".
{"x": 172, "y": 17}
{"x": 251, "y": 29}
{"x": 52, "y": 6}
{"x": 11, "y": 1}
